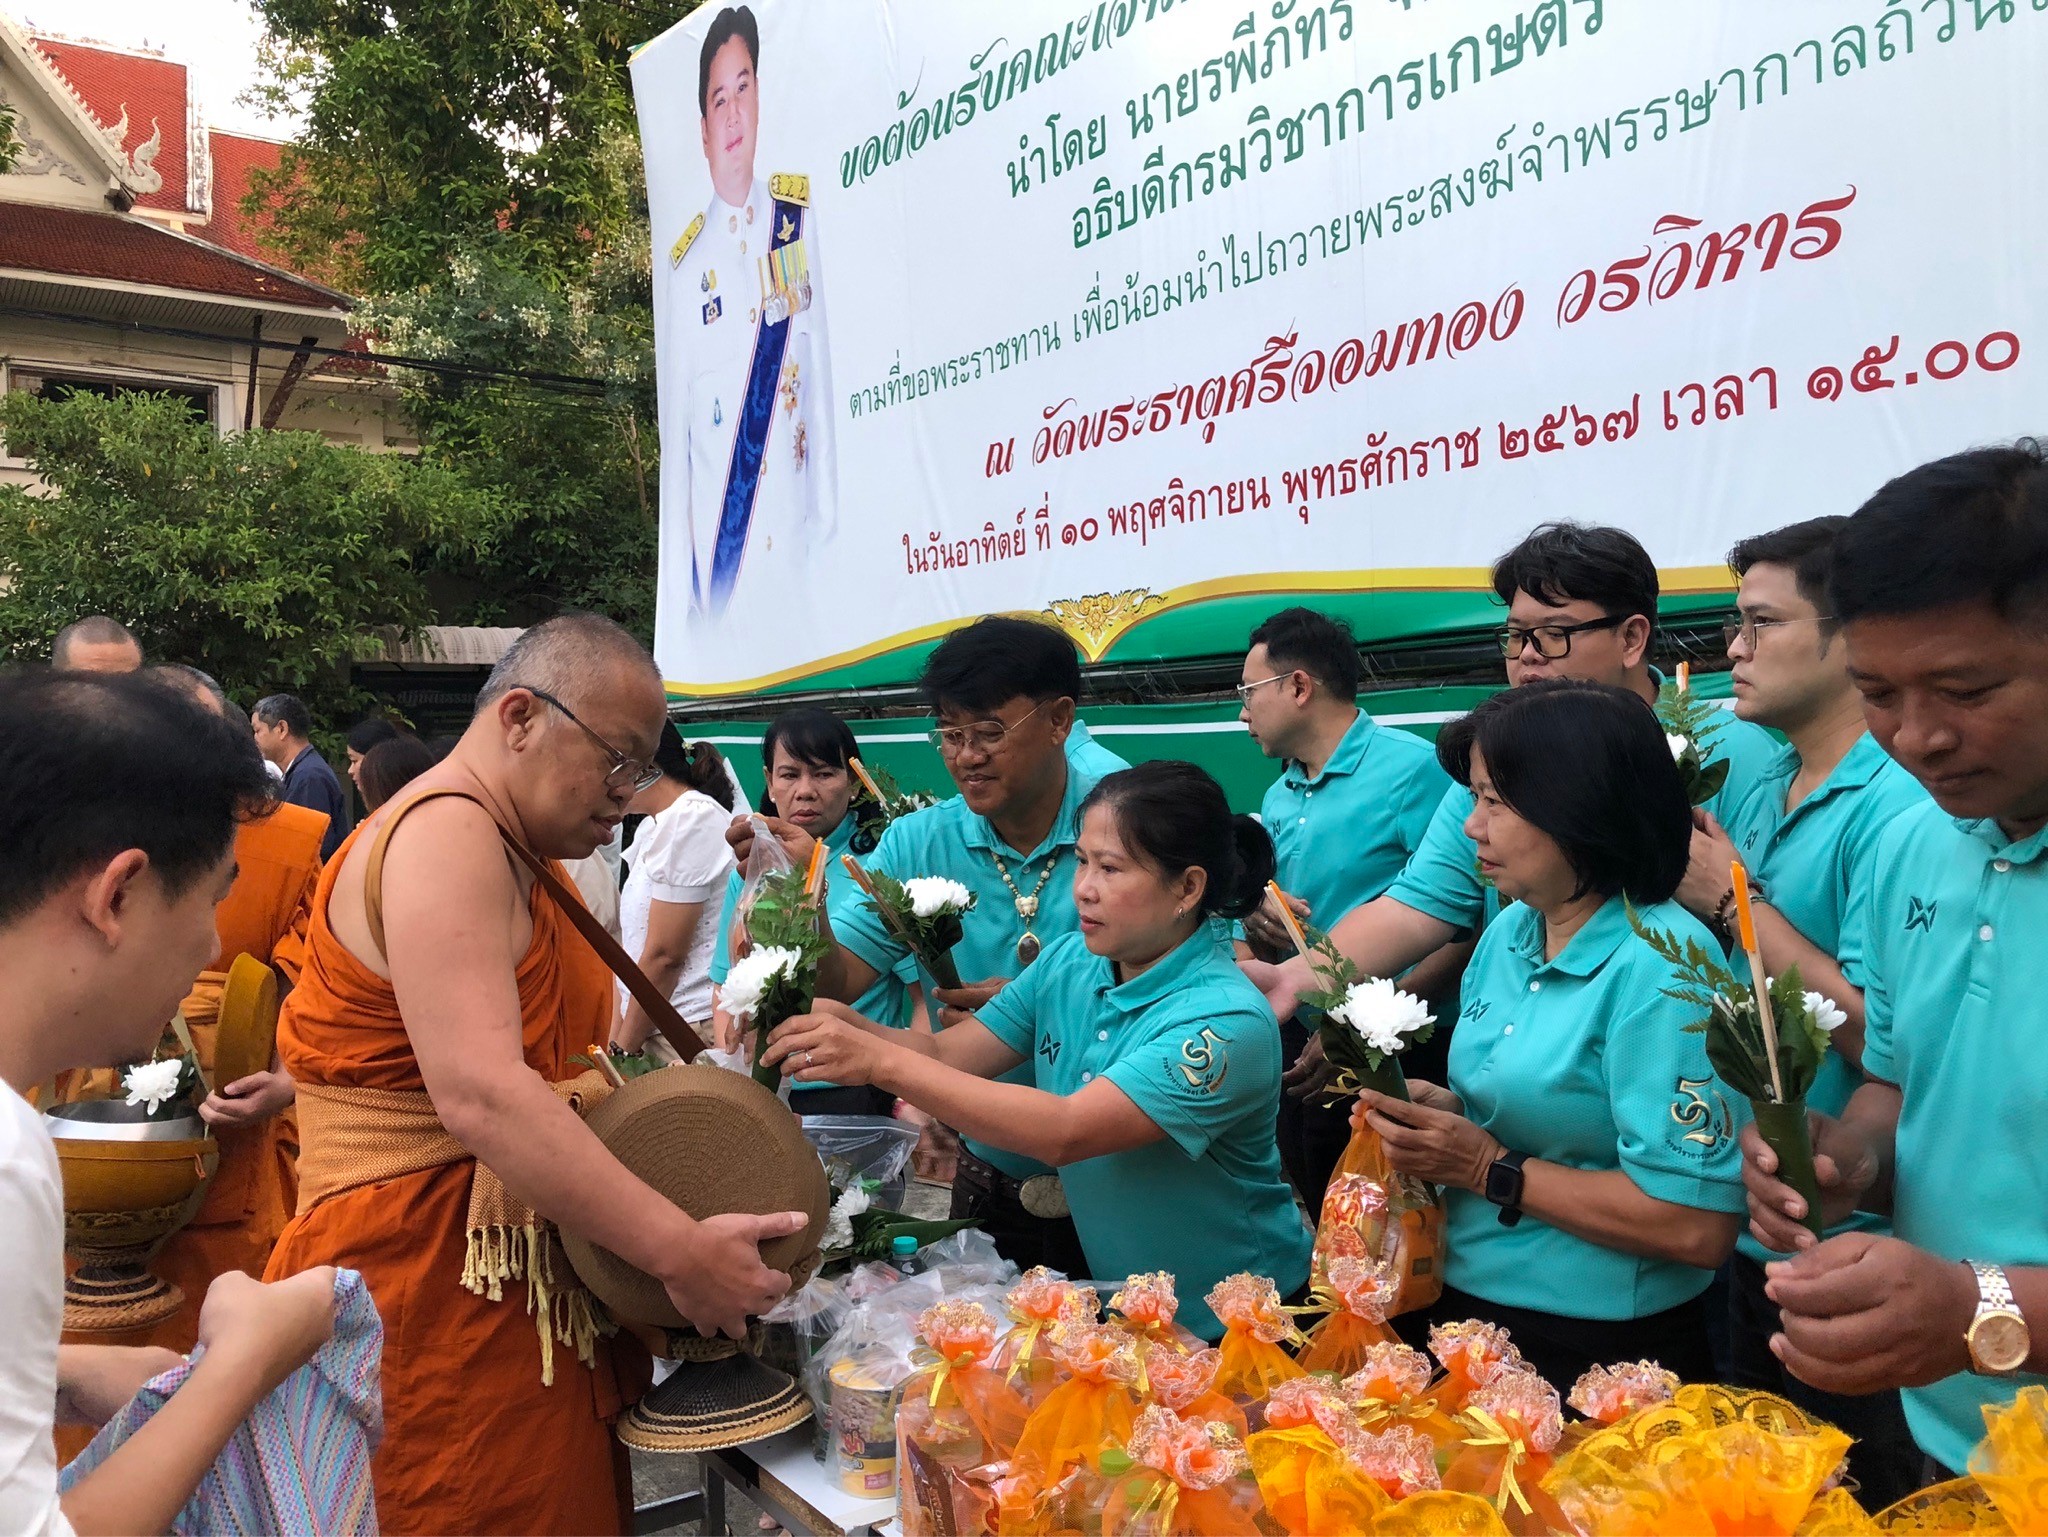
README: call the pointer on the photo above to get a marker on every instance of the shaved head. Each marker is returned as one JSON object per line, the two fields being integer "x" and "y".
{"x": 200, "y": 687}
{"x": 96, "y": 644}
{"x": 569, "y": 654}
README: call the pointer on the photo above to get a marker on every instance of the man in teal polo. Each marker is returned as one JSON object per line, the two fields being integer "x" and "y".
{"x": 1807, "y": 830}
{"x": 1347, "y": 811}
{"x": 1003, "y": 690}
{"x": 1582, "y": 603}
{"x": 1940, "y": 586}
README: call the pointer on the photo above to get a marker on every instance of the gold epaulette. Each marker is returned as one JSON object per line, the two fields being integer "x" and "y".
{"x": 788, "y": 187}
{"x": 681, "y": 248}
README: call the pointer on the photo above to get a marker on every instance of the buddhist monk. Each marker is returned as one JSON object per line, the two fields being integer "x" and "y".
{"x": 277, "y": 862}
{"x": 443, "y": 992}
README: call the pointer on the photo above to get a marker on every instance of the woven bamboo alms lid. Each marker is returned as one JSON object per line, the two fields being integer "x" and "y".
{"x": 713, "y": 1141}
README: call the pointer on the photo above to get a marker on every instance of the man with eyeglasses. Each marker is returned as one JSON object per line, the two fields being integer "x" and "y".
{"x": 1003, "y": 690}
{"x": 1348, "y": 811}
{"x": 1582, "y": 603}
{"x": 1807, "y": 829}
{"x": 441, "y": 996}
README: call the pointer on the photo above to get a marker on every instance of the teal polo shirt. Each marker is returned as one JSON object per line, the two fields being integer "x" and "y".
{"x": 1583, "y": 1061}
{"x": 1811, "y": 862}
{"x": 886, "y": 1003}
{"x": 948, "y": 839}
{"x": 1089, "y": 756}
{"x": 1194, "y": 1046}
{"x": 1956, "y": 1012}
{"x": 1442, "y": 880}
{"x": 1341, "y": 837}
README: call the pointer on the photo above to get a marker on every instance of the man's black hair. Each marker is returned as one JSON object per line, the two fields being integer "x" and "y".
{"x": 94, "y": 765}
{"x": 1314, "y": 643}
{"x": 735, "y": 21}
{"x": 286, "y": 710}
{"x": 1581, "y": 562}
{"x": 1971, "y": 528}
{"x": 1588, "y": 765}
{"x": 988, "y": 663}
{"x": 1806, "y": 549}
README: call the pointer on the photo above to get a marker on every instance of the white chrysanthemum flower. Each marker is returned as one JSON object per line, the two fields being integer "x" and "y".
{"x": 752, "y": 976}
{"x": 931, "y": 895}
{"x": 1678, "y": 744}
{"x": 1825, "y": 1012}
{"x": 853, "y": 1200}
{"x": 1382, "y": 1014}
{"x": 150, "y": 1084}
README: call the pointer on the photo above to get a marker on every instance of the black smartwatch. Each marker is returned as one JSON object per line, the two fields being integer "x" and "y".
{"x": 1504, "y": 1186}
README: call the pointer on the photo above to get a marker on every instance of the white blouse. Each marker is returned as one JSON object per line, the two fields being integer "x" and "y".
{"x": 679, "y": 855}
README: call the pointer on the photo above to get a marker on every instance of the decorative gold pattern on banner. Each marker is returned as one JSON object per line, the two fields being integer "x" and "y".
{"x": 1098, "y": 619}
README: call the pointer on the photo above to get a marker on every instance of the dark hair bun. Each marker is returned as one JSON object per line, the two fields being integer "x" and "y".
{"x": 1175, "y": 816}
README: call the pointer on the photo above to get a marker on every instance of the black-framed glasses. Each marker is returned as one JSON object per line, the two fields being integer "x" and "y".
{"x": 1750, "y": 626}
{"x": 1553, "y": 642}
{"x": 985, "y": 736}
{"x": 624, "y": 770}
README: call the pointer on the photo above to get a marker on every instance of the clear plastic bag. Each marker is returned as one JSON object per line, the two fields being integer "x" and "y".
{"x": 875, "y": 1147}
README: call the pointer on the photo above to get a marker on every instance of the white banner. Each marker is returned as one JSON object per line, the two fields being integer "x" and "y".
{"x": 1107, "y": 309}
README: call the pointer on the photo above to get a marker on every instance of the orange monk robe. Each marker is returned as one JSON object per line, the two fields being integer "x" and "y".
{"x": 472, "y": 1441}
{"x": 277, "y": 865}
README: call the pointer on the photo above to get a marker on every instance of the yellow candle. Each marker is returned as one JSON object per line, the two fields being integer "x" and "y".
{"x": 1745, "y": 921}
{"x": 1684, "y": 676}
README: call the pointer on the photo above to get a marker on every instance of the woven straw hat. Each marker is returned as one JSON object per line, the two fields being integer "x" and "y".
{"x": 718, "y": 1396}
{"x": 712, "y": 1141}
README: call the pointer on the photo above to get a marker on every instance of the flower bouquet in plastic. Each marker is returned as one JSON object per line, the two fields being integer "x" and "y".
{"x": 1255, "y": 1326}
{"x": 1369, "y": 1211}
{"x": 777, "y": 979}
{"x": 1690, "y": 726}
{"x": 1183, "y": 1478}
{"x": 881, "y": 802}
{"x": 924, "y": 912}
{"x": 958, "y": 1418}
{"x": 1766, "y": 1043}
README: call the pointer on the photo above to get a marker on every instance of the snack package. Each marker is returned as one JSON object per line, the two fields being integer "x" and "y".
{"x": 1190, "y": 1479}
{"x": 1357, "y": 1293}
{"x": 1254, "y": 1324}
{"x": 1039, "y": 1304}
{"x": 1144, "y": 1307}
{"x": 1389, "y": 1220}
{"x": 958, "y": 1416}
{"x": 797, "y": 1327}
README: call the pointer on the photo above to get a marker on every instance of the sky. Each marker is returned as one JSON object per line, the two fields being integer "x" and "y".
{"x": 215, "y": 39}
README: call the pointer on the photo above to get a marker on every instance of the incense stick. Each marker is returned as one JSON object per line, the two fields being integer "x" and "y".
{"x": 860, "y": 879}
{"x": 814, "y": 873}
{"x": 1684, "y": 677}
{"x": 1745, "y": 922}
{"x": 1294, "y": 930}
{"x": 860, "y": 772}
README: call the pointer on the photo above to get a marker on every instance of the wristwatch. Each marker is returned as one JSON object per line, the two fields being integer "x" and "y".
{"x": 1504, "y": 1186}
{"x": 1998, "y": 1338}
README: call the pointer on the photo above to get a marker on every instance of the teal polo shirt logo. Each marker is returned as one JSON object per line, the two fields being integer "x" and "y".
{"x": 1478, "y": 1008}
{"x": 1050, "y": 1050}
{"x": 1707, "y": 1122}
{"x": 1204, "y": 1063}
{"x": 1920, "y": 915}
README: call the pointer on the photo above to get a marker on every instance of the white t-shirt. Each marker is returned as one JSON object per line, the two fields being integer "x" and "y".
{"x": 679, "y": 855}
{"x": 32, "y": 1303}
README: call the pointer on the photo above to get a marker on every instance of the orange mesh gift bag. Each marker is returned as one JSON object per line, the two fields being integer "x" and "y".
{"x": 1091, "y": 1411}
{"x": 1357, "y": 1294}
{"x": 1191, "y": 1479}
{"x": 958, "y": 1416}
{"x": 1254, "y": 1323}
{"x": 1039, "y": 1304}
{"x": 1144, "y": 1307}
{"x": 1310, "y": 1462}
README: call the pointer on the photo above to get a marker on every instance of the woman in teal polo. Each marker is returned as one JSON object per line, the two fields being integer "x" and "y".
{"x": 1157, "y": 1064}
{"x": 1586, "y": 1150}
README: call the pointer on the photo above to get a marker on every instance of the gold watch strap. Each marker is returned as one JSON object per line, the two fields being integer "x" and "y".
{"x": 1994, "y": 1292}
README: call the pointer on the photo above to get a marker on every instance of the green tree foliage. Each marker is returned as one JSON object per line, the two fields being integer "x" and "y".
{"x": 267, "y": 558}
{"x": 473, "y": 166}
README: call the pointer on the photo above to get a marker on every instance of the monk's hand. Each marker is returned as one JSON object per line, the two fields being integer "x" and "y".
{"x": 957, "y": 1003}
{"x": 1845, "y": 1166}
{"x": 721, "y": 1282}
{"x": 1861, "y": 1314}
{"x": 825, "y": 1046}
{"x": 267, "y": 1331}
{"x": 1431, "y": 1143}
{"x": 796, "y": 843}
{"x": 249, "y": 1101}
{"x": 95, "y": 1382}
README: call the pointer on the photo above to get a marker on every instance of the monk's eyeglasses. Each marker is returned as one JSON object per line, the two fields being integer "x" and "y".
{"x": 624, "y": 770}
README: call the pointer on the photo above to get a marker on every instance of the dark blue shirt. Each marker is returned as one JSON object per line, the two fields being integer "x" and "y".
{"x": 309, "y": 782}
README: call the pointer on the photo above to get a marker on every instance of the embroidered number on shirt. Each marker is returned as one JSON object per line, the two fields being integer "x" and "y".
{"x": 1707, "y": 1123}
{"x": 1919, "y": 914}
{"x": 1204, "y": 1063}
